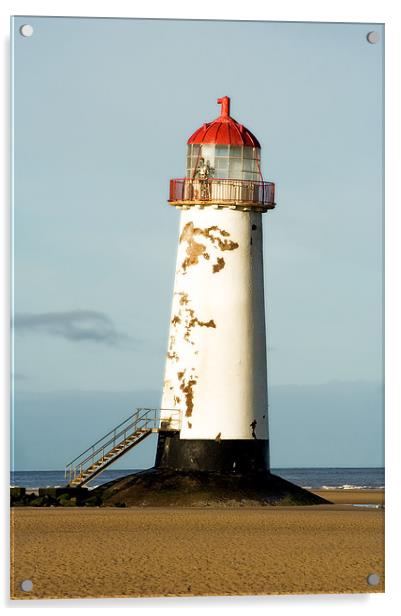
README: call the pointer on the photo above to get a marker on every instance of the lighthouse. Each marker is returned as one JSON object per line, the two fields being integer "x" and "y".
{"x": 213, "y": 436}
{"x": 216, "y": 369}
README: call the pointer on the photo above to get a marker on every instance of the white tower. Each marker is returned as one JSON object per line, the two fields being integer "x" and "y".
{"x": 216, "y": 372}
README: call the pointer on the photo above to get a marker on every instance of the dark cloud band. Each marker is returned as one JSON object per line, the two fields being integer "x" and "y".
{"x": 74, "y": 325}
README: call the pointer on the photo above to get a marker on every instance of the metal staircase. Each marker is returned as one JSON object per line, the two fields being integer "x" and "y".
{"x": 118, "y": 441}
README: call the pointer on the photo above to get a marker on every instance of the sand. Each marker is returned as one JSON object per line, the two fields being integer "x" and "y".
{"x": 113, "y": 552}
{"x": 353, "y": 496}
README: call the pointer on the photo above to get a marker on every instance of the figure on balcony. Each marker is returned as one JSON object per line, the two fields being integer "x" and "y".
{"x": 204, "y": 172}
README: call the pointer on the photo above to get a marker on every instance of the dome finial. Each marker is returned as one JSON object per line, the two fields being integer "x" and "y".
{"x": 224, "y": 130}
{"x": 225, "y": 106}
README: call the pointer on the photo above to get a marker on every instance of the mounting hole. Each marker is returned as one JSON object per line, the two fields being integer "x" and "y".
{"x": 26, "y": 585}
{"x": 373, "y": 579}
{"x": 26, "y": 30}
{"x": 373, "y": 37}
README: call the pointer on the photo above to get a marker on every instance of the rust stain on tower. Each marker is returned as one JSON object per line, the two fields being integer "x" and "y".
{"x": 195, "y": 250}
{"x": 219, "y": 265}
{"x": 187, "y": 389}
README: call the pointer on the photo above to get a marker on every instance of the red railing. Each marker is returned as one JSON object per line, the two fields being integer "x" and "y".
{"x": 188, "y": 191}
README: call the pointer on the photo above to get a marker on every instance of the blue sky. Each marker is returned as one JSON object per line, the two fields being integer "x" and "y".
{"x": 102, "y": 112}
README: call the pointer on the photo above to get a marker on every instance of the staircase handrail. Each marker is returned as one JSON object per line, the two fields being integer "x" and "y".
{"x": 134, "y": 420}
{"x": 103, "y": 437}
{"x": 113, "y": 440}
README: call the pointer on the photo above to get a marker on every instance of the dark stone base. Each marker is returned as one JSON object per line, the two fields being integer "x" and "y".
{"x": 160, "y": 487}
{"x": 222, "y": 456}
{"x": 52, "y": 497}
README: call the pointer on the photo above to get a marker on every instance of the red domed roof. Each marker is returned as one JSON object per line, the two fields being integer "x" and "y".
{"x": 224, "y": 130}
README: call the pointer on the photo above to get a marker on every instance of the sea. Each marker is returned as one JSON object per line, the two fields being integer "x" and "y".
{"x": 309, "y": 478}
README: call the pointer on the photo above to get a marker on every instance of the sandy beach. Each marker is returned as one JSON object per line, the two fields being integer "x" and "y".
{"x": 131, "y": 552}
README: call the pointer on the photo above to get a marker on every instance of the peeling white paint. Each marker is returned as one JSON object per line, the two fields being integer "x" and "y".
{"x": 217, "y": 330}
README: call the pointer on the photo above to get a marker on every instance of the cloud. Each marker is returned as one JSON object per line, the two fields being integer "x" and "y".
{"x": 75, "y": 326}
{"x": 19, "y": 376}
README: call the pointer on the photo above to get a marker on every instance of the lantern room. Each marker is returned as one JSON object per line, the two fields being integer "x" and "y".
{"x": 223, "y": 161}
{"x": 223, "y": 167}
{"x": 224, "y": 149}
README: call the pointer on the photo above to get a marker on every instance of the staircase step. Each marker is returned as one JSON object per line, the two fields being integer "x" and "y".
{"x": 136, "y": 434}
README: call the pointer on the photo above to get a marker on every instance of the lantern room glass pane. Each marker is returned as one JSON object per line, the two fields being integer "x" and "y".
{"x": 235, "y": 168}
{"x": 221, "y": 163}
{"x": 249, "y": 175}
{"x": 249, "y": 152}
{"x": 208, "y": 150}
{"x": 249, "y": 164}
{"x": 236, "y": 151}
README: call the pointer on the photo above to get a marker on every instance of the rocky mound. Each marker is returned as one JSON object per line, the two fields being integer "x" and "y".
{"x": 160, "y": 487}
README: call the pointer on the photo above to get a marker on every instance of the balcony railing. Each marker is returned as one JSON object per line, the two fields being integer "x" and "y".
{"x": 215, "y": 191}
